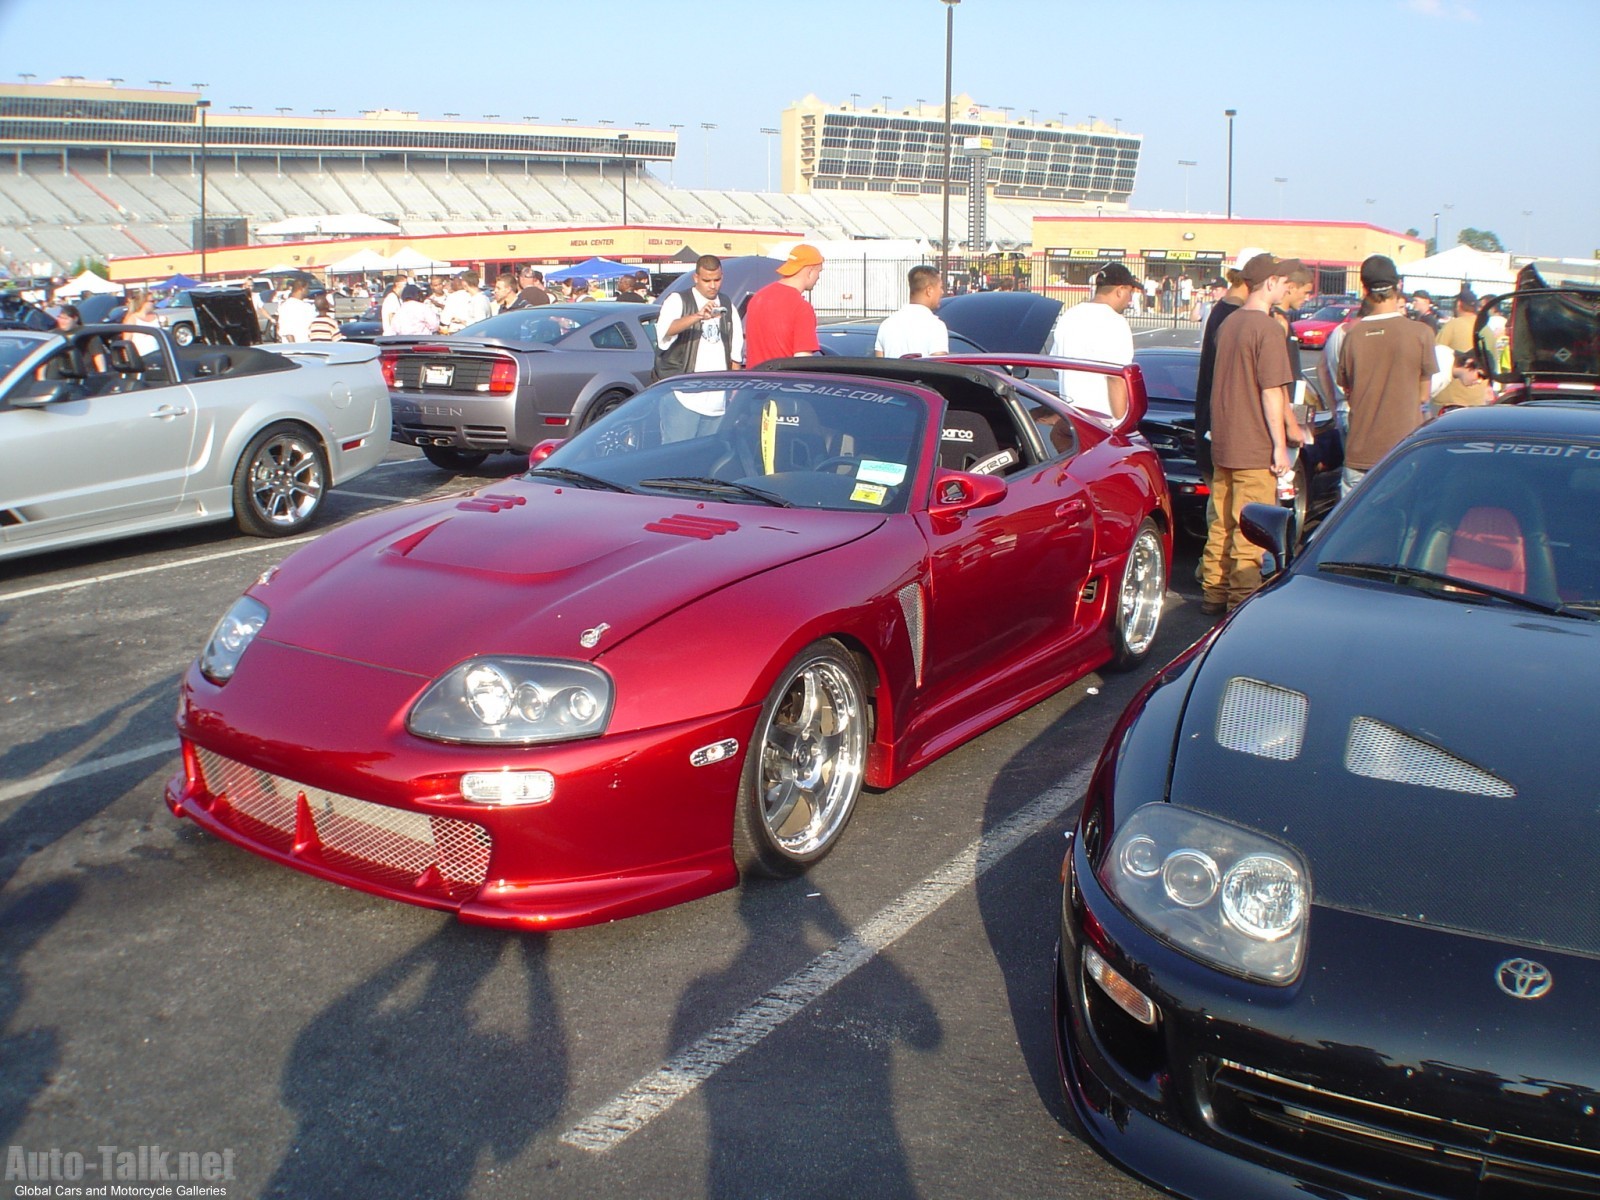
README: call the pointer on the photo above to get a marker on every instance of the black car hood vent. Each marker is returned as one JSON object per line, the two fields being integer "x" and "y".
{"x": 1432, "y": 760}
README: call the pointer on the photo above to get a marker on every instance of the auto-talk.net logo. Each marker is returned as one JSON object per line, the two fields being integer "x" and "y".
{"x": 119, "y": 1171}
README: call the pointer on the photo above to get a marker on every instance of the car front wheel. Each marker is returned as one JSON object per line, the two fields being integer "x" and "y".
{"x": 805, "y": 766}
{"x": 183, "y": 334}
{"x": 279, "y": 482}
{"x": 1140, "y": 599}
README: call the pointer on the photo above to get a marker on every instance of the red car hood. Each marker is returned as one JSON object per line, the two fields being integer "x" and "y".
{"x": 523, "y": 568}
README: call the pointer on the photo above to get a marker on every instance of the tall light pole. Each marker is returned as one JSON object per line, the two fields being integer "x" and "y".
{"x": 672, "y": 167}
{"x": 1186, "y": 163}
{"x": 949, "y": 59}
{"x": 1280, "y": 180}
{"x": 202, "y": 105}
{"x": 708, "y": 126}
{"x": 771, "y": 133}
{"x": 1436, "y": 233}
{"x": 1230, "y": 113}
{"x": 622, "y": 140}
{"x": 1527, "y": 231}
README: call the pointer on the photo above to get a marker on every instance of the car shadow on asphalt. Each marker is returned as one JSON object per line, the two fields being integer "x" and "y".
{"x": 31, "y": 1057}
{"x": 413, "y": 1079}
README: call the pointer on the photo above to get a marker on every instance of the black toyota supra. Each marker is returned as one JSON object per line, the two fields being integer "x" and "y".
{"x": 1334, "y": 930}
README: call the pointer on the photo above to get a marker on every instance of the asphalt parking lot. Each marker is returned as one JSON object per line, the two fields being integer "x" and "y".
{"x": 880, "y": 1027}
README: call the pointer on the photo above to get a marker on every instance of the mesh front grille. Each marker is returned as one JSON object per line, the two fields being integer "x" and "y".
{"x": 1381, "y": 751}
{"x": 1260, "y": 719}
{"x": 373, "y": 841}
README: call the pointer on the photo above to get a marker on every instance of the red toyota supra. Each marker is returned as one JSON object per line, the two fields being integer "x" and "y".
{"x": 679, "y": 646}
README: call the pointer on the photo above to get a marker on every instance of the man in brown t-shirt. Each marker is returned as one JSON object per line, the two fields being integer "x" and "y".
{"x": 1386, "y": 365}
{"x": 1249, "y": 449}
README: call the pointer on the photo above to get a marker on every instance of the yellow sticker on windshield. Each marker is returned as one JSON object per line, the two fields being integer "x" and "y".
{"x": 869, "y": 493}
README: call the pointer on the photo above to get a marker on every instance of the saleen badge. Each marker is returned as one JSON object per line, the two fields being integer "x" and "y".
{"x": 1523, "y": 979}
{"x": 591, "y": 637}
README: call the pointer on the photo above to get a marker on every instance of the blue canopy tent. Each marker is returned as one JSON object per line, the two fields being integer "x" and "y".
{"x": 593, "y": 268}
{"x": 178, "y": 283}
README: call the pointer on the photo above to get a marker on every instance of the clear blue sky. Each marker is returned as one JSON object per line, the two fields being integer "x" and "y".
{"x": 1380, "y": 110}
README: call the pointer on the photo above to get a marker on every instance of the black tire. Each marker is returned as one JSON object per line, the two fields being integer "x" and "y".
{"x": 1301, "y": 504}
{"x": 604, "y": 405}
{"x": 805, "y": 765}
{"x": 448, "y": 458}
{"x": 1135, "y": 614}
{"x": 280, "y": 481}
{"x": 183, "y": 335}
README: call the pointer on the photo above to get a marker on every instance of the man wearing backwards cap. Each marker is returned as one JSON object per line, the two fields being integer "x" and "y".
{"x": 1226, "y": 305}
{"x": 778, "y": 322}
{"x": 1386, "y": 367}
{"x": 1249, "y": 447}
{"x": 1096, "y": 331}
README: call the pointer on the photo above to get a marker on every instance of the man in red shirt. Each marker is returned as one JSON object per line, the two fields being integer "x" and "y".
{"x": 779, "y": 322}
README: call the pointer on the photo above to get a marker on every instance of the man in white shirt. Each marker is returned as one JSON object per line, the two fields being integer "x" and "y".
{"x": 1096, "y": 331}
{"x": 296, "y": 314}
{"x": 914, "y": 331}
{"x": 389, "y": 309}
{"x": 466, "y": 305}
{"x": 698, "y": 329}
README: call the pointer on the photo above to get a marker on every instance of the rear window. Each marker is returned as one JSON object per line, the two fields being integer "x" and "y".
{"x": 545, "y": 325}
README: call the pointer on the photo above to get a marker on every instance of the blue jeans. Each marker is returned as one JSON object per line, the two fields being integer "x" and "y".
{"x": 1349, "y": 477}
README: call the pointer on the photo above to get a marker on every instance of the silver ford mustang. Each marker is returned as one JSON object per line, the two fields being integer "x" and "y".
{"x": 114, "y": 430}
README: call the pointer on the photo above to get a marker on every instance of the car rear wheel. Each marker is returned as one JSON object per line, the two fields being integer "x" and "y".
{"x": 448, "y": 458}
{"x": 183, "y": 334}
{"x": 603, "y": 406}
{"x": 1301, "y": 503}
{"x": 1140, "y": 599}
{"x": 279, "y": 482}
{"x": 805, "y": 766}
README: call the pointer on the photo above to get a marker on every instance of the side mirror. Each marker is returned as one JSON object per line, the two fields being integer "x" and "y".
{"x": 1269, "y": 526}
{"x": 60, "y": 389}
{"x": 542, "y": 451}
{"x": 956, "y": 493}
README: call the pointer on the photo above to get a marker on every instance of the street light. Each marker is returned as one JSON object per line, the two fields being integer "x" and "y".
{"x": 771, "y": 133}
{"x": 672, "y": 167}
{"x": 1436, "y": 233}
{"x": 158, "y": 84}
{"x": 203, "y": 105}
{"x": 622, "y": 140}
{"x": 708, "y": 126}
{"x": 1280, "y": 180}
{"x": 1230, "y": 113}
{"x": 1527, "y": 231}
{"x": 949, "y": 58}
{"x": 1186, "y": 163}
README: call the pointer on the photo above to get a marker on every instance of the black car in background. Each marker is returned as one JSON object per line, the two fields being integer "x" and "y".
{"x": 1334, "y": 933}
{"x": 856, "y": 339}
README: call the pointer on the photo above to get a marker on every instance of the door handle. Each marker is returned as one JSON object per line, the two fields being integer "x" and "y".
{"x": 1070, "y": 510}
{"x": 166, "y": 412}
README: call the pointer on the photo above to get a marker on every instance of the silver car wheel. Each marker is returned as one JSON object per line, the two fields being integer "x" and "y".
{"x": 1142, "y": 596}
{"x": 807, "y": 765}
{"x": 286, "y": 481}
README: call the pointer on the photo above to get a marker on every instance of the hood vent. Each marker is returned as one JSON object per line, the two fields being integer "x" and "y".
{"x": 1260, "y": 719}
{"x": 684, "y": 525}
{"x": 1381, "y": 751}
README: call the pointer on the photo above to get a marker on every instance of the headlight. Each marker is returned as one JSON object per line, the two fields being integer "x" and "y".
{"x": 1225, "y": 895}
{"x": 231, "y": 638}
{"x": 514, "y": 701}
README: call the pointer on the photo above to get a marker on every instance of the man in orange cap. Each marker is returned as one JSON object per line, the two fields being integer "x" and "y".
{"x": 779, "y": 322}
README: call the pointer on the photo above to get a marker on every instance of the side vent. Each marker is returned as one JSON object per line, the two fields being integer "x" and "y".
{"x": 1381, "y": 751}
{"x": 913, "y": 606}
{"x": 1091, "y": 591}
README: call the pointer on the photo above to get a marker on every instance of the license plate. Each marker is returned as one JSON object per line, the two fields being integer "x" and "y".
{"x": 437, "y": 375}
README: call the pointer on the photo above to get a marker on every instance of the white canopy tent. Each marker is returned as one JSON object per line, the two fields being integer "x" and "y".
{"x": 1486, "y": 272}
{"x": 412, "y": 260}
{"x": 362, "y": 262}
{"x": 87, "y": 284}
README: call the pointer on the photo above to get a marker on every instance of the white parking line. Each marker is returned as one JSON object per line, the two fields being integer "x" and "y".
{"x": 653, "y": 1095}
{"x": 253, "y": 548}
{"x": 27, "y": 787}
{"x": 376, "y": 496}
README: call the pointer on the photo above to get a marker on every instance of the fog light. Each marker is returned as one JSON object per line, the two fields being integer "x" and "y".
{"x": 508, "y": 787}
{"x": 1122, "y": 993}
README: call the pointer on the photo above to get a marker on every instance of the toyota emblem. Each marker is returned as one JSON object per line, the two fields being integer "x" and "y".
{"x": 1523, "y": 979}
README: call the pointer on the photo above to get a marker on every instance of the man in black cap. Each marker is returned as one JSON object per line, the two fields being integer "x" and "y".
{"x": 1096, "y": 331}
{"x": 1386, "y": 365}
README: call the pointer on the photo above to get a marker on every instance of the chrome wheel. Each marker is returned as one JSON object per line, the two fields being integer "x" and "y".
{"x": 807, "y": 764}
{"x": 1141, "y": 597}
{"x": 280, "y": 482}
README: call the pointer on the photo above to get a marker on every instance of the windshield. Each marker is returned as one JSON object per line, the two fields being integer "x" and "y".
{"x": 1470, "y": 519}
{"x": 1334, "y": 312}
{"x": 804, "y": 443}
{"x": 545, "y": 324}
{"x": 1169, "y": 376}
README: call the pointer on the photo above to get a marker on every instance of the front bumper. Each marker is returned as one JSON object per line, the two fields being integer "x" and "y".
{"x": 1367, "y": 1078}
{"x": 333, "y": 786}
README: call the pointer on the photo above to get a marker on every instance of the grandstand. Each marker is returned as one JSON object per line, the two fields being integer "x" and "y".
{"x": 101, "y": 171}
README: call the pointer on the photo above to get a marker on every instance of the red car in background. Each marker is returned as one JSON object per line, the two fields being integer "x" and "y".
{"x": 1313, "y": 331}
{"x": 678, "y": 646}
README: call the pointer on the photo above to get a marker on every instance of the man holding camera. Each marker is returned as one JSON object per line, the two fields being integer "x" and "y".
{"x": 697, "y": 329}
